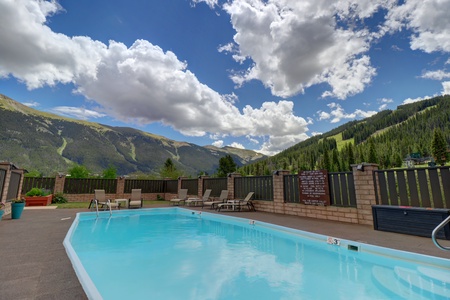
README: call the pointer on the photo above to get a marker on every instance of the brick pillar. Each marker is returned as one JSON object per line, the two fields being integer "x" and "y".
{"x": 230, "y": 184}
{"x": 59, "y": 183}
{"x": 200, "y": 185}
{"x": 120, "y": 190}
{"x": 365, "y": 191}
{"x": 278, "y": 190}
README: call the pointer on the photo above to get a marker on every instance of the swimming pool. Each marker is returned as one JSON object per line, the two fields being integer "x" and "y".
{"x": 176, "y": 253}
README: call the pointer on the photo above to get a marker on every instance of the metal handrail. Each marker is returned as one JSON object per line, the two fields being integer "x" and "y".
{"x": 96, "y": 206}
{"x": 435, "y": 231}
{"x": 109, "y": 205}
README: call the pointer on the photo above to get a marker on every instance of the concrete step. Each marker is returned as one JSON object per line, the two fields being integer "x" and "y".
{"x": 422, "y": 284}
{"x": 394, "y": 288}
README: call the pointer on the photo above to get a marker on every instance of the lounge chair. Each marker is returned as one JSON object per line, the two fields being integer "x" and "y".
{"x": 100, "y": 196}
{"x": 182, "y": 196}
{"x": 136, "y": 199}
{"x": 198, "y": 200}
{"x": 237, "y": 204}
{"x": 222, "y": 198}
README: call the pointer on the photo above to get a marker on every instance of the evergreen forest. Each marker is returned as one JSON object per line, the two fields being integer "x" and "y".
{"x": 386, "y": 139}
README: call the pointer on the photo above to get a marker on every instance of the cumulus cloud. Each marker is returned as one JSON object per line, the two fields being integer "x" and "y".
{"x": 218, "y": 143}
{"x": 237, "y": 145}
{"x": 337, "y": 113}
{"x": 77, "y": 112}
{"x": 428, "y": 20}
{"x": 436, "y": 75}
{"x": 446, "y": 88}
{"x": 296, "y": 44}
{"x": 412, "y": 100}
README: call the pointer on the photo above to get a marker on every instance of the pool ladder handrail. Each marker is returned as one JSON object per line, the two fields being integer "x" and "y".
{"x": 108, "y": 203}
{"x": 435, "y": 231}
{"x": 96, "y": 206}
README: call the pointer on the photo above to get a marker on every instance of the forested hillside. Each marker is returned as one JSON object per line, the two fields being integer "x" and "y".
{"x": 47, "y": 144}
{"x": 385, "y": 138}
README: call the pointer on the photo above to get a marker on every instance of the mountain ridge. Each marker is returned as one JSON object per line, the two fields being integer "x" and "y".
{"x": 50, "y": 144}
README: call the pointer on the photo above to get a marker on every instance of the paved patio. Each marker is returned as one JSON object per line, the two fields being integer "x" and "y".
{"x": 34, "y": 264}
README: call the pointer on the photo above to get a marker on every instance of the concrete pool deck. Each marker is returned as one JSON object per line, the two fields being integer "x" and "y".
{"x": 34, "y": 263}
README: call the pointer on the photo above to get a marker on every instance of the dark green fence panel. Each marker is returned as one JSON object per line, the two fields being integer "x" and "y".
{"x": 146, "y": 186}
{"x": 191, "y": 185}
{"x": 342, "y": 189}
{"x": 291, "y": 189}
{"x": 424, "y": 187}
{"x": 46, "y": 183}
{"x": 88, "y": 185}
{"x": 13, "y": 189}
{"x": 216, "y": 185}
{"x": 171, "y": 186}
{"x": 262, "y": 186}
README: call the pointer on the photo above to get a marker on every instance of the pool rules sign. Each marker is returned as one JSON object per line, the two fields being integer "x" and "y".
{"x": 314, "y": 187}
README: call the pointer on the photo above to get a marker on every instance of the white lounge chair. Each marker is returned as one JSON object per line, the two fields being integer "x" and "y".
{"x": 237, "y": 204}
{"x": 182, "y": 196}
{"x": 222, "y": 198}
{"x": 100, "y": 196}
{"x": 198, "y": 200}
{"x": 136, "y": 199}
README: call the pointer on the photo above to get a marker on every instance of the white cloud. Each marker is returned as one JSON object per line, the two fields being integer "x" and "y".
{"x": 446, "y": 88}
{"x": 411, "y": 100}
{"x": 382, "y": 107}
{"x": 428, "y": 20}
{"x": 296, "y": 44}
{"x": 384, "y": 103}
{"x": 77, "y": 112}
{"x": 252, "y": 140}
{"x": 436, "y": 75}
{"x": 337, "y": 113}
{"x": 218, "y": 143}
{"x": 31, "y": 104}
{"x": 210, "y": 3}
{"x": 237, "y": 145}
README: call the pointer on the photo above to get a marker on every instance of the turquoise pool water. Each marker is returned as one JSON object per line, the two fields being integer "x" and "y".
{"x": 175, "y": 253}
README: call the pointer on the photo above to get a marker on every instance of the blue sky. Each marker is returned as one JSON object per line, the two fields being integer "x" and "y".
{"x": 260, "y": 75}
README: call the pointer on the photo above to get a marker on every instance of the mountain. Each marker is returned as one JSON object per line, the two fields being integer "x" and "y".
{"x": 49, "y": 144}
{"x": 385, "y": 138}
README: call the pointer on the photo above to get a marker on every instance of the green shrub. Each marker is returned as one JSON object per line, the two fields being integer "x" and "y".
{"x": 37, "y": 192}
{"x": 59, "y": 198}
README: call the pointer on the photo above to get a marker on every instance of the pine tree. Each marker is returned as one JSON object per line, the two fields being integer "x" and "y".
{"x": 372, "y": 153}
{"x": 439, "y": 147}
